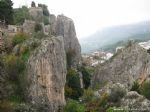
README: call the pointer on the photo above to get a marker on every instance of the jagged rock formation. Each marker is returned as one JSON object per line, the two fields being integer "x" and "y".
{"x": 36, "y": 13}
{"x": 133, "y": 63}
{"x": 65, "y": 27}
{"x": 60, "y": 26}
{"x": 47, "y": 75}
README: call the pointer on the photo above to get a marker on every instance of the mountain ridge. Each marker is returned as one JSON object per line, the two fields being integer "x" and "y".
{"x": 115, "y": 34}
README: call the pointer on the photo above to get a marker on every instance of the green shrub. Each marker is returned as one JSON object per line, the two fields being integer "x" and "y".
{"x": 98, "y": 104}
{"x": 145, "y": 90}
{"x": 116, "y": 94}
{"x": 20, "y": 15}
{"x": 19, "y": 38}
{"x": 88, "y": 95}
{"x": 73, "y": 89}
{"x": 70, "y": 55}
{"x": 86, "y": 77}
{"x": 13, "y": 65}
{"x": 38, "y": 27}
{"x": 74, "y": 106}
{"x": 136, "y": 87}
{"x": 46, "y": 20}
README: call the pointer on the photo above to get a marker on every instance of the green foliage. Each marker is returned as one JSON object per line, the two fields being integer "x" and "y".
{"x": 6, "y": 11}
{"x": 72, "y": 88}
{"x": 136, "y": 87}
{"x": 98, "y": 104}
{"x": 20, "y": 15}
{"x": 116, "y": 94}
{"x": 88, "y": 95}
{"x": 25, "y": 55}
{"x": 145, "y": 90}
{"x": 33, "y": 4}
{"x": 70, "y": 54}
{"x": 74, "y": 106}
{"x": 19, "y": 38}
{"x": 148, "y": 51}
{"x": 46, "y": 20}
{"x": 38, "y": 27}
{"x": 86, "y": 77}
{"x": 45, "y": 10}
{"x": 13, "y": 66}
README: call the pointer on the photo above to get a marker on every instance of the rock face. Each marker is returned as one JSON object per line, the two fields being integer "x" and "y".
{"x": 6, "y": 89}
{"x": 133, "y": 63}
{"x": 29, "y": 26}
{"x": 111, "y": 89}
{"x": 47, "y": 75}
{"x": 133, "y": 100}
{"x": 36, "y": 13}
{"x": 53, "y": 21}
{"x": 65, "y": 27}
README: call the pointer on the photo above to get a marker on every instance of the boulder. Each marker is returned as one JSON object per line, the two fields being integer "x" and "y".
{"x": 135, "y": 102}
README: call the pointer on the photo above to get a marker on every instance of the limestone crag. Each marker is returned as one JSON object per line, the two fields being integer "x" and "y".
{"x": 47, "y": 75}
{"x": 36, "y": 13}
{"x": 125, "y": 67}
{"x": 65, "y": 27}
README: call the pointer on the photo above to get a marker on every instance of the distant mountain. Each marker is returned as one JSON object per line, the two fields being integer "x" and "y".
{"x": 112, "y": 36}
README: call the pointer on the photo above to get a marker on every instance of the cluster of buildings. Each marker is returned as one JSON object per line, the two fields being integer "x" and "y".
{"x": 145, "y": 45}
{"x": 96, "y": 58}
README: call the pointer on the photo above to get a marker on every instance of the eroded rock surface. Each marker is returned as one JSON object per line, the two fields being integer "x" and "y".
{"x": 47, "y": 75}
{"x": 133, "y": 63}
{"x": 133, "y": 101}
{"x": 65, "y": 27}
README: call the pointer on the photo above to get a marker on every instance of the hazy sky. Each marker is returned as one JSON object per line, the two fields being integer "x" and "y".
{"x": 91, "y": 15}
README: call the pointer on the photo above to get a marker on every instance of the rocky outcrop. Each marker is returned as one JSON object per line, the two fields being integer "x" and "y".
{"x": 47, "y": 75}
{"x": 112, "y": 90}
{"x": 135, "y": 102}
{"x": 53, "y": 21}
{"x": 133, "y": 63}
{"x": 29, "y": 26}
{"x": 36, "y": 13}
{"x": 65, "y": 27}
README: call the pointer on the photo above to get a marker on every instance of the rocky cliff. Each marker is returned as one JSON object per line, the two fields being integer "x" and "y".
{"x": 47, "y": 75}
{"x": 64, "y": 26}
{"x": 125, "y": 67}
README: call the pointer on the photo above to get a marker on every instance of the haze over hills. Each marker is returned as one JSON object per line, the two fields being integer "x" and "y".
{"x": 110, "y": 37}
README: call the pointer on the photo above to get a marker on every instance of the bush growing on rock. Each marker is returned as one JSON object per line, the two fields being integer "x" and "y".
{"x": 19, "y": 38}
{"x": 116, "y": 94}
{"x": 38, "y": 27}
{"x": 136, "y": 87}
{"x": 72, "y": 88}
{"x": 74, "y": 106}
{"x": 145, "y": 90}
{"x": 86, "y": 77}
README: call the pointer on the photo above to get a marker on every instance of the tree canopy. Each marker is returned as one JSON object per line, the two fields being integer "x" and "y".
{"x": 6, "y": 11}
